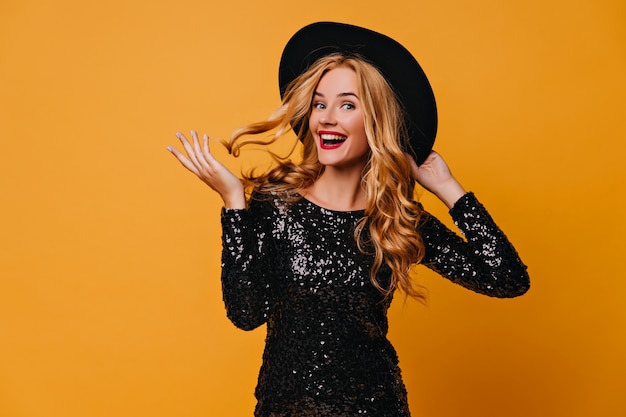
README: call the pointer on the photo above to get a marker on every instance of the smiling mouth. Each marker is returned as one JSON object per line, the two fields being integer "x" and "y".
{"x": 329, "y": 141}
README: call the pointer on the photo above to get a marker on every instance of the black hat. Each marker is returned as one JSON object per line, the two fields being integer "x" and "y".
{"x": 393, "y": 60}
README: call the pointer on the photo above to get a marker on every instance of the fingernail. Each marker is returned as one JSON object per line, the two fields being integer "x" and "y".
{"x": 169, "y": 148}
{"x": 178, "y": 135}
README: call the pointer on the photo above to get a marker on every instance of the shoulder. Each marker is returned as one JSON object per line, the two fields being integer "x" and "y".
{"x": 272, "y": 202}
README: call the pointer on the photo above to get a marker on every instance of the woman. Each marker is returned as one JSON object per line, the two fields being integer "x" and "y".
{"x": 319, "y": 248}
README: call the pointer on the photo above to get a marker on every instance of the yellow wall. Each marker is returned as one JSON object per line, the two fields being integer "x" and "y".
{"x": 110, "y": 302}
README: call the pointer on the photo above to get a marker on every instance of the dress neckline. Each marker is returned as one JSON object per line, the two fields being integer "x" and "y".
{"x": 310, "y": 203}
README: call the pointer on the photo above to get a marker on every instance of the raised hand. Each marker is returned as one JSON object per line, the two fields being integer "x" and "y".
{"x": 199, "y": 160}
{"x": 435, "y": 176}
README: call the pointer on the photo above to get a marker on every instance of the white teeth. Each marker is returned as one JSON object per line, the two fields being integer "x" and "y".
{"x": 332, "y": 137}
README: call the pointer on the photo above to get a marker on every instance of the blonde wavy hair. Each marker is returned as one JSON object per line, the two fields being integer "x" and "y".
{"x": 388, "y": 230}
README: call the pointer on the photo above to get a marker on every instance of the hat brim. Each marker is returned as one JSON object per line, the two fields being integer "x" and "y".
{"x": 394, "y": 61}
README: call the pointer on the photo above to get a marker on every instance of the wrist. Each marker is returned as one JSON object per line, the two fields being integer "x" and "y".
{"x": 235, "y": 200}
{"x": 450, "y": 192}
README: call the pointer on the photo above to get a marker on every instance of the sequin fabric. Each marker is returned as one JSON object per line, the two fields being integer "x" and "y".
{"x": 297, "y": 269}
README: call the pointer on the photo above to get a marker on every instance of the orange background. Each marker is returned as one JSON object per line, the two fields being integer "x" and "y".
{"x": 110, "y": 301}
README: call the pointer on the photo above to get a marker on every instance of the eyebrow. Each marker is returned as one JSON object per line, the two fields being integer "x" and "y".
{"x": 346, "y": 94}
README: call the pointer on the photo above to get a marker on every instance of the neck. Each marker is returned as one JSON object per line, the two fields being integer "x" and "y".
{"x": 338, "y": 190}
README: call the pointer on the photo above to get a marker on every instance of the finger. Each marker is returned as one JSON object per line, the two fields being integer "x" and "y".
{"x": 189, "y": 149}
{"x": 183, "y": 160}
{"x": 202, "y": 158}
{"x": 206, "y": 144}
{"x": 206, "y": 152}
{"x": 431, "y": 156}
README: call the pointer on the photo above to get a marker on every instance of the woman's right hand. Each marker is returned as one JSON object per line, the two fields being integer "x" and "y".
{"x": 201, "y": 162}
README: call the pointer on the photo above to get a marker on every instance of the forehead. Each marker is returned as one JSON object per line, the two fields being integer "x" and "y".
{"x": 338, "y": 80}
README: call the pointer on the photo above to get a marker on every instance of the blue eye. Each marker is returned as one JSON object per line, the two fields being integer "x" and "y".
{"x": 348, "y": 106}
{"x": 319, "y": 106}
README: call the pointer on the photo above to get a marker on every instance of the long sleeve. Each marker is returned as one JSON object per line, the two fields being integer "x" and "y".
{"x": 246, "y": 270}
{"x": 485, "y": 262}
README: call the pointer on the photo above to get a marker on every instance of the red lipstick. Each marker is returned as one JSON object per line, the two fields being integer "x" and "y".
{"x": 331, "y": 140}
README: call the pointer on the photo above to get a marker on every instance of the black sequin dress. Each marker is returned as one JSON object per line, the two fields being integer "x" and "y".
{"x": 298, "y": 269}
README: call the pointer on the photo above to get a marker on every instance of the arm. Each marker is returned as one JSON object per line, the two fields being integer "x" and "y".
{"x": 244, "y": 259}
{"x": 246, "y": 269}
{"x": 486, "y": 262}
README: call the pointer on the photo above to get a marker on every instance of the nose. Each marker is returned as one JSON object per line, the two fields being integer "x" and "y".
{"x": 328, "y": 117}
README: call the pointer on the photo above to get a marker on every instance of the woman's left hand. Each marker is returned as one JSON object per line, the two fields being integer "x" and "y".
{"x": 435, "y": 176}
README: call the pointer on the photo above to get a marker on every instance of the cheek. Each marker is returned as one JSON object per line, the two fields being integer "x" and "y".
{"x": 358, "y": 127}
{"x": 365, "y": 144}
{"x": 356, "y": 122}
{"x": 363, "y": 138}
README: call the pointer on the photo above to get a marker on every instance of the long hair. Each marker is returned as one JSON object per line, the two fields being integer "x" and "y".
{"x": 388, "y": 231}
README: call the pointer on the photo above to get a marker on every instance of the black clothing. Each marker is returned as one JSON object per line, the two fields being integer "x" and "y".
{"x": 297, "y": 268}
